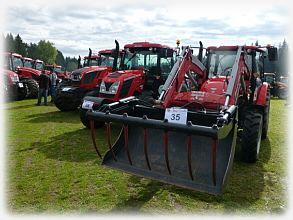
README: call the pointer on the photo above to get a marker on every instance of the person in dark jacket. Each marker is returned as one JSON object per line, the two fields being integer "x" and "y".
{"x": 158, "y": 81}
{"x": 43, "y": 88}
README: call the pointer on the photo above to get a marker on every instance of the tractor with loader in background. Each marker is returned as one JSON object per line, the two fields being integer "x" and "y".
{"x": 187, "y": 137}
{"x": 85, "y": 80}
{"x": 143, "y": 68}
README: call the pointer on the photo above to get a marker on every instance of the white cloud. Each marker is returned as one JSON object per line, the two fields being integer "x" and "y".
{"x": 75, "y": 26}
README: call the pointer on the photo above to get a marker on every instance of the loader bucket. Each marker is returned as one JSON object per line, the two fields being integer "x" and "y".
{"x": 190, "y": 156}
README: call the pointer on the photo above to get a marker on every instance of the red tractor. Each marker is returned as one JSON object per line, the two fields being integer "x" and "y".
{"x": 85, "y": 80}
{"x": 13, "y": 89}
{"x": 142, "y": 66}
{"x": 24, "y": 67}
{"x": 62, "y": 75}
{"x": 188, "y": 136}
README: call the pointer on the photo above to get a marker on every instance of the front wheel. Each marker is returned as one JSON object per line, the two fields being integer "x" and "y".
{"x": 86, "y": 122}
{"x": 251, "y": 136}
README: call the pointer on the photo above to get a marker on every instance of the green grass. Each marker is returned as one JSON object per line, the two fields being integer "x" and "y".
{"x": 51, "y": 167}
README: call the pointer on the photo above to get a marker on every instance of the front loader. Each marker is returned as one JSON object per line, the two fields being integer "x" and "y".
{"x": 188, "y": 136}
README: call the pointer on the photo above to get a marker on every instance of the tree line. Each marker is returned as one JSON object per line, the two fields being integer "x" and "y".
{"x": 43, "y": 50}
{"x": 46, "y": 51}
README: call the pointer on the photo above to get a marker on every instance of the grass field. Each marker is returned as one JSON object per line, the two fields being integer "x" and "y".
{"x": 51, "y": 167}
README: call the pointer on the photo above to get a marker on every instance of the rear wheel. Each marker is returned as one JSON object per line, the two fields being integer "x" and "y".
{"x": 32, "y": 86}
{"x": 66, "y": 101}
{"x": 266, "y": 116}
{"x": 251, "y": 136}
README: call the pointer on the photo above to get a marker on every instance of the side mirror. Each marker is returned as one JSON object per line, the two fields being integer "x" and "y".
{"x": 272, "y": 53}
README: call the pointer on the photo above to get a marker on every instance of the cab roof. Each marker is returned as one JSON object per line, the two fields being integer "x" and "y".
{"x": 146, "y": 44}
{"x": 259, "y": 49}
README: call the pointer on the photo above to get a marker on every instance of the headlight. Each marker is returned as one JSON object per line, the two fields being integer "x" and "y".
{"x": 114, "y": 88}
{"x": 14, "y": 78}
{"x": 102, "y": 87}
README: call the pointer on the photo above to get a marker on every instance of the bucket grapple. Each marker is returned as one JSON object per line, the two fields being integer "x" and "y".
{"x": 197, "y": 154}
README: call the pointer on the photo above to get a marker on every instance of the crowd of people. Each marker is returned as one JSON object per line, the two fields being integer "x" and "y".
{"x": 47, "y": 86}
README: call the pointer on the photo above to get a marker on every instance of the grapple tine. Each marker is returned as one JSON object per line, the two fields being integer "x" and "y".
{"x": 125, "y": 130}
{"x": 108, "y": 128}
{"x": 145, "y": 147}
{"x": 92, "y": 126}
{"x": 214, "y": 162}
{"x": 189, "y": 144}
{"x": 167, "y": 151}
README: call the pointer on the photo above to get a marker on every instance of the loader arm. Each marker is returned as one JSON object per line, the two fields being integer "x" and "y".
{"x": 185, "y": 63}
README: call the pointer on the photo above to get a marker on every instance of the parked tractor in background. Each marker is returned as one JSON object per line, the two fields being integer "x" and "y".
{"x": 278, "y": 88}
{"x": 27, "y": 74}
{"x": 13, "y": 89}
{"x": 85, "y": 80}
{"x": 188, "y": 136}
{"x": 144, "y": 67}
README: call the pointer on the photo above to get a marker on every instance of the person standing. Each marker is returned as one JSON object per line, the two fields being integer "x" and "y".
{"x": 43, "y": 88}
{"x": 53, "y": 84}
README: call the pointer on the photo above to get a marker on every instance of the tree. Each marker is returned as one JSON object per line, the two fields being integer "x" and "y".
{"x": 9, "y": 43}
{"x": 32, "y": 51}
{"x": 46, "y": 51}
{"x": 60, "y": 59}
{"x": 20, "y": 46}
{"x": 283, "y": 59}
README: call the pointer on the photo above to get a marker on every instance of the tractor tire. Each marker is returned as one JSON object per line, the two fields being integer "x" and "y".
{"x": 33, "y": 88}
{"x": 282, "y": 93}
{"x": 251, "y": 136}
{"x": 266, "y": 116}
{"x": 66, "y": 102}
{"x": 22, "y": 92}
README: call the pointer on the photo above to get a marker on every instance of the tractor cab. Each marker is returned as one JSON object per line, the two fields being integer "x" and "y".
{"x": 39, "y": 65}
{"x": 13, "y": 61}
{"x": 142, "y": 64}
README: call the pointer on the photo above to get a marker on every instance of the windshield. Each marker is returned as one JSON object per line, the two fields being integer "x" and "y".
{"x": 17, "y": 62}
{"x": 92, "y": 61}
{"x": 221, "y": 63}
{"x": 58, "y": 70}
{"x": 269, "y": 79}
{"x": 28, "y": 63}
{"x": 106, "y": 60}
{"x": 39, "y": 66}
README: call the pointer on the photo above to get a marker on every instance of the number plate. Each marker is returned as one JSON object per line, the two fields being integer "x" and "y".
{"x": 65, "y": 89}
{"x": 176, "y": 115}
{"x": 87, "y": 104}
{"x": 20, "y": 85}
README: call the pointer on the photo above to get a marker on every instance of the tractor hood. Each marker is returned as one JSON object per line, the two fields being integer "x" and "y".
{"x": 89, "y": 69}
{"x": 9, "y": 73}
{"x": 76, "y": 75}
{"x": 122, "y": 75}
{"x": 29, "y": 70}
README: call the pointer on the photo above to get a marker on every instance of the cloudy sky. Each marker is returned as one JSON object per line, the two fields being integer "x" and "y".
{"x": 74, "y": 26}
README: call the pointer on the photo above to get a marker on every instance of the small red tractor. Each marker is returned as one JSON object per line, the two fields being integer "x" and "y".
{"x": 188, "y": 136}
{"x": 141, "y": 63}
{"x": 85, "y": 80}
{"x": 13, "y": 89}
{"x": 24, "y": 67}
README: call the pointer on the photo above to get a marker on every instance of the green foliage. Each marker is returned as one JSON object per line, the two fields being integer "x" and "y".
{"x": 19, "y": 46}
{"x": 60, "y": 59}
{"x": 46, "y": 51}
{"x": 32, "y": 51}
{"x": 52, "y": 168}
